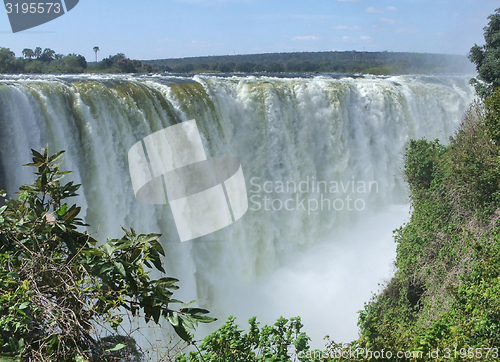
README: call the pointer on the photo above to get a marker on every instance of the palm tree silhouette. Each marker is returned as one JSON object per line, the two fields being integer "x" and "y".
{"x": 38, "y": 52}
{"x": 28, "y": 53}
{"x": 96, "y": 49}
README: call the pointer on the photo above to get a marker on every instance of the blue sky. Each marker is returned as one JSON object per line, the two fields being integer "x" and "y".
{"x": 155, "y": 29}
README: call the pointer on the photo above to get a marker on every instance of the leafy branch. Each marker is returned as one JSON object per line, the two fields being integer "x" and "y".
{"x": 57, "y": 285}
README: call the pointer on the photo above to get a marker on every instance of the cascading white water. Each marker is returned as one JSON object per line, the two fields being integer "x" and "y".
{"x": 299, "y": 140}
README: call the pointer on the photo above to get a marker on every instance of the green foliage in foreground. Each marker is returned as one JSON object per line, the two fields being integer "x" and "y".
{"x": 60, "y": 293}
{"x": 270, "y": 343}
{"x": 284, "y": 341}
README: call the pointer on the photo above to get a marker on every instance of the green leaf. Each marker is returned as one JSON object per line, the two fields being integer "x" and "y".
{"x": 182, "y": 332}
{"x": 203, "y": 318}
{"x": 155, "y": 313}
{"x": 56, "y": 156}
{"x": 72, "y": 213}
{"x": 189, "y": 303}
{"x": 135, "y": 255}
{"x": 149, "y": 238}
{"x": 173, "y": 318}
{"x": 170, "y": 280}
{"x": 158, "y": 246}
{"x": 106, "y": 268}
{"x": 125, "y": 244}
{"x": 108, "y": 248}
{"x": 194, "y": 311}
{"x": 187, "y": 322}
{"x": 37, "y": 155}
{"x": 156, "y": 259}
{"x": 117, "y": 347}
{"x": 128, "y": 233}
{"x": 21, "y": 345}
{"x": 120, "y": 268}
{"x": 62, "y": 210}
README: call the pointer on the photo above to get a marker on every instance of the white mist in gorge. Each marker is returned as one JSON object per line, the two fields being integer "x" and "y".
{"x": 303, "y": 144}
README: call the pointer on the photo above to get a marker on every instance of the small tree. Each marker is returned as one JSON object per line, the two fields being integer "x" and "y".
{"x": 96, "y": 49}
{"x": 47, "y": 55}
{"x": 487, "y": 84}
{"x": 28, "y": 53}
{"x": 284, "y": 341}
{"x": 37, "y": 52}
{"x": 59, "y": 290}
{"x": 487, "y": 58}
{"x": 7, "y": 60}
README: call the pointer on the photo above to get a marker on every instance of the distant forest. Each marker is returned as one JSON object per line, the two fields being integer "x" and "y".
{"x": 319, "y": 62}
{"x": 380, "y": 63}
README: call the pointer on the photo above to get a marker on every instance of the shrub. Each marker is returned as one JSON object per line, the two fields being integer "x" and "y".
{"x": 420, "y": 162}
{"x": 59, "y": 290}
{"x": 280, "y": 342}
{"x": 492, "y": 105}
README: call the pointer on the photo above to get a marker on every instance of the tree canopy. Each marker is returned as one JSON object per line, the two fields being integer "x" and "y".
{"x": 41, "y": 61}
{"x": 487, "y": 58}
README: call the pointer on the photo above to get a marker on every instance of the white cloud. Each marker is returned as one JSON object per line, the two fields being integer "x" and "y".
{"x": 344, "y": 27}
{"x": 376, "y": 11}
{"x": 353, "y": 39}
{"x": 390, "y": 21}
{"x": 306, "y": 37}
{"x": 199, "y": 43}
{"x": 407, "y": 31}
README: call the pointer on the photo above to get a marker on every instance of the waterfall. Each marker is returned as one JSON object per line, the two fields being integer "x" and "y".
{"x": 322, "y": 159}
